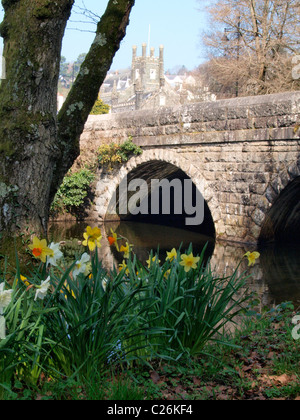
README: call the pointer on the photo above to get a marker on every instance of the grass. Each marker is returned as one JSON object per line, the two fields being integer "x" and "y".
{"x": 264, "y": 366}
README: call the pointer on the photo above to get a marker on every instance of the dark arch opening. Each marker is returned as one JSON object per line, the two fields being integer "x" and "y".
{"x": 282, "y": 222}
{"x": 160, "y": 170}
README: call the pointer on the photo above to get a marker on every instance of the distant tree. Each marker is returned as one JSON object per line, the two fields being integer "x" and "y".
{"x": 63, "y": 67}
{"x": 251, "y": 45}
{"x": 77, "y": 64}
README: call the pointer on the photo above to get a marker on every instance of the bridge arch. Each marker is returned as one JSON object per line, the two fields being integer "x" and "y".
{"x": 157, "y": 164}
{"x": 282, "y": 219}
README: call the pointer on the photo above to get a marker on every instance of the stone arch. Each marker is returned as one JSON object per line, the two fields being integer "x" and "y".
{"x": 281, "y": 210}
{"x": 108, "y": 184}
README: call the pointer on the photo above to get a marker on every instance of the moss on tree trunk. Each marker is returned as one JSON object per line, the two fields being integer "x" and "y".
{"x": 37, "y": 146}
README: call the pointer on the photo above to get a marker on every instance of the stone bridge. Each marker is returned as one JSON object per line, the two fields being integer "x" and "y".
{"x": 243, "y": 155}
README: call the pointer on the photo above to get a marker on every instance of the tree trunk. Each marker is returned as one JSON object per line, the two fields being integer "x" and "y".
{"x": 37, "y": 147}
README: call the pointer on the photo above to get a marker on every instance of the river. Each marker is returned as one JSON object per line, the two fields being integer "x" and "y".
{"x": 275, "y": 277}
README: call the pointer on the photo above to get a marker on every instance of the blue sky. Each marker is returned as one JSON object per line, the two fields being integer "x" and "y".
{"x": 174, "y": 23}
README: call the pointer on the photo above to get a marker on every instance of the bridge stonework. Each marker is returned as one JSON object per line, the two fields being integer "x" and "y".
{"x": 240, "y": 153}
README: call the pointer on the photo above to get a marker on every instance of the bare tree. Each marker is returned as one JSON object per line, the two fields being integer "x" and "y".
{"x": 251, "y": 45}
{"x": 37, "y": 146}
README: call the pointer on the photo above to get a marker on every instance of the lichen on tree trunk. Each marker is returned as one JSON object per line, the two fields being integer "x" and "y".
{"x": 37, "y": 146}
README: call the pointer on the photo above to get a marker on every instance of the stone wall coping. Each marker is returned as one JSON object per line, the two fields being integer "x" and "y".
{"x": 252, "y": 107}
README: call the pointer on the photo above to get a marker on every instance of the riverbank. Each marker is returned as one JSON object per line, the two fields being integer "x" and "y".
{"x": 262, "y": 364}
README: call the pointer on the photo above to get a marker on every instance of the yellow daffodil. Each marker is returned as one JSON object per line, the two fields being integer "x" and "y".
{"x": 24, "y": 280}
{"x": 92, "y": 238}
{"x": 167, "y": 274}
{"x": 40, "y": 249}
{"x": 252, "y": 257}
{"x": 71, "y": 292}
{"x": 189, "y": 262}
{"x": 171, "y": 255}
{"x": 113, "y": 240}
{"x": 126, "y": 250}
{"x": 123, "y": 266}
{"x": 152, "y": 261}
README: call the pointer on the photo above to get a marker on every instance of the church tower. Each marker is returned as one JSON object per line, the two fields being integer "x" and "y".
{"x": 148, "y": 69}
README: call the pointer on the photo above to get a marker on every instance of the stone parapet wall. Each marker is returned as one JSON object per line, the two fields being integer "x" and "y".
{"x": 254, "y": 118}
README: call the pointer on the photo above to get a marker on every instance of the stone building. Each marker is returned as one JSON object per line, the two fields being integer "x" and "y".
{"x": 145, "y": 85}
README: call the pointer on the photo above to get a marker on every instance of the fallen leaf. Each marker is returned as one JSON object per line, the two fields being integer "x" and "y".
{"x": 282, "y": 379}
{"x": 277, "y": 380}
{"x": 155, "y": 377}
{"x": 196, "y": 381}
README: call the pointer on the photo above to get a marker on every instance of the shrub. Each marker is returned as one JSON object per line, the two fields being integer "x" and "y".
{"x": 73, "y": 192}
{"x": 100, "y": 108}
{"x": 113, "y": 155}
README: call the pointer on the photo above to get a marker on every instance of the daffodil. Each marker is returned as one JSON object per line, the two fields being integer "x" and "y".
{"x": 113, "y": 240}
{"x": 171, "y": 255}
{"x": 104, "y": 284}
{"x": 40, "y": 249}
{"x": 149, "y": 262}
{"x": 5, "y": 298}
{"x": 189, "y": 262}
{"x": 24, "y": 280}
{"x": 92, "y": 238}
{"x": 88, "y": 270}
{"x": 57, "y": 254}
{"x": 252, "y": 257}
{"x": 2, "y": 328}
{"x": 42, "y": 290}
{"x": 81, "y": 265}
{"x": 123, "y": 266}
{"x": 71, "y": 292}
{"x": 126, "y": 250}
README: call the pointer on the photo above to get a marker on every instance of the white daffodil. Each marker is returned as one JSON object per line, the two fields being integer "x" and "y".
{"x": 57, "y": 254}
{"x": 81, "y": 265}
{"x": 2, "y": 328}
{"x": 42, "y": 290}
{"x": 5, "y": 298}
{"x": 104, "y": 283}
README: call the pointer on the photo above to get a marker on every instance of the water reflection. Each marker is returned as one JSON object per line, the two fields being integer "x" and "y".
{"x": 145, "y": 237}
{"x": 275, "y": 278}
